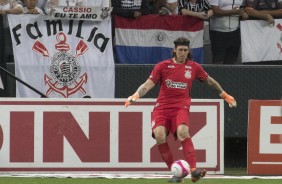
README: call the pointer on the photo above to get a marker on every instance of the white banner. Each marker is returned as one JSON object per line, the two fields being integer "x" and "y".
{"x": 99, "y": 136}
{"x": 63, "y": 58}
{"x": 260, "y": 41}
{"x": 81, "y": 13}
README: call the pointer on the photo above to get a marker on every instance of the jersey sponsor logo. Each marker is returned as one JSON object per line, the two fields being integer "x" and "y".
{"x": 170, "y": 66}
{"x": 177, "y": 85}
{"x": 188, "y": 66}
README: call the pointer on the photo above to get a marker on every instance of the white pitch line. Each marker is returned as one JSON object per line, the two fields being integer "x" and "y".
{"x": 272, "y": 163}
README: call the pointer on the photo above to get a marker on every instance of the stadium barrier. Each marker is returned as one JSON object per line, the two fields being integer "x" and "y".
{"x": 265, "y": 137}
{"x": 87, "y": 135}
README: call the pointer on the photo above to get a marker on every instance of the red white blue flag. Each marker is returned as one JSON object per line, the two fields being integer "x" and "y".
{"x": 149, "y": 39}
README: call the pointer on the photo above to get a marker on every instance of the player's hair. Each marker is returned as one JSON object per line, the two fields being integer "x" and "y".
{"x": 182, "y": 41}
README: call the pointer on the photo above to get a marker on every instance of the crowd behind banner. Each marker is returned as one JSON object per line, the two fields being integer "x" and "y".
{"x": 153, "y": 24}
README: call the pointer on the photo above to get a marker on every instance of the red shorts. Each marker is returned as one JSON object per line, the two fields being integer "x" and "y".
{"x": 170, "y": 118}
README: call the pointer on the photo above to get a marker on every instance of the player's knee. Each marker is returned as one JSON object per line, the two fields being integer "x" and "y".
{"x": 160, "y": 137}
{"x": 182, "y": 132}
{"x": 182, "y": 135}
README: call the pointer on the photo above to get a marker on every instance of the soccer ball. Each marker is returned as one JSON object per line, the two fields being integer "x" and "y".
{"x": 180, "y": 168}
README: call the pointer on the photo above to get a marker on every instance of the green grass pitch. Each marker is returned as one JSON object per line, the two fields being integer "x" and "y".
{"x": 25, "y": 180}
{"x": 235, "y": 172}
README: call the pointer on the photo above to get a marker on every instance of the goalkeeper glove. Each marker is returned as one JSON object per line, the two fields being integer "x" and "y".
{"x": 229, "y": 99}
{"x": 131, "y": 99}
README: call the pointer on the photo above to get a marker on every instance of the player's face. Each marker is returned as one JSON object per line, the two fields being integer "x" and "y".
{"x": 181, "y": 52}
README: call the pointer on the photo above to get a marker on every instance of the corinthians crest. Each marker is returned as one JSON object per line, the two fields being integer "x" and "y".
{"x": 65, "y": 70}
{"x": 187, "y": 74}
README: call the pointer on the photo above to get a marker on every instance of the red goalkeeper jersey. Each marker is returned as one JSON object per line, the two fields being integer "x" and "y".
{"x": 175, "y": 82}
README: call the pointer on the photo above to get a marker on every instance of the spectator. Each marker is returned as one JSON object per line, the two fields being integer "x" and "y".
{"x": 196, "y": 8}
{"x": 170, "y": 8}
{"x": 130, "y": 8}
{"x": 264, "y": 9}
{"x": 225, "y": 31}
{"x": 10, "y": 7}
{"x": 31, "y": 7}
{"x": 156, "y": 5}
{"x": 50, "y": 4}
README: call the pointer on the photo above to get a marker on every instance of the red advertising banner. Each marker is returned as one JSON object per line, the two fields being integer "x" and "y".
{"x": 265, "y": 137}
{"x": 87, "y": 135}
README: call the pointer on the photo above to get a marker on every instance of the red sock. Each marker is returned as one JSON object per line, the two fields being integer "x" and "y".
{"x": 189, "y": 152}
{"x": 166, "y": 154}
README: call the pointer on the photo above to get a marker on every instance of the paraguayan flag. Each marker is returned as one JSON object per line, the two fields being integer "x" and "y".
{"x": 149, "y": 39}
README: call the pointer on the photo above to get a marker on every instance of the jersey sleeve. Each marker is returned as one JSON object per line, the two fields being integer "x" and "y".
{"x": 201, "y": 73}
{"x": 155, "y": 75}
{"x": 207, "y": 5}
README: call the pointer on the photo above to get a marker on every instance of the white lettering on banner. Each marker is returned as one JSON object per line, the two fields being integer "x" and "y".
{"x": 60, "y": 135}
{"x": 267, "y": 129}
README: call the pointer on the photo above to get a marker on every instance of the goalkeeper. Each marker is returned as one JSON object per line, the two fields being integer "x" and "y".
{"x": 171, "y": 111}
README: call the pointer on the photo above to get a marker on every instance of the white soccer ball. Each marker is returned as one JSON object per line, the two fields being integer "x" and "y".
{"x": 180, "y": 168}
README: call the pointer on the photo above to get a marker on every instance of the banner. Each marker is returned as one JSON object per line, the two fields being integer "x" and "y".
{"x": 81, "y": 13}
{"x": 260, "y": 41}
{"x": 100, "y": 136}
{"x": 149, "y": 39}
{"x": 63, "y": 58}
{"x": 265, "y": 137}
